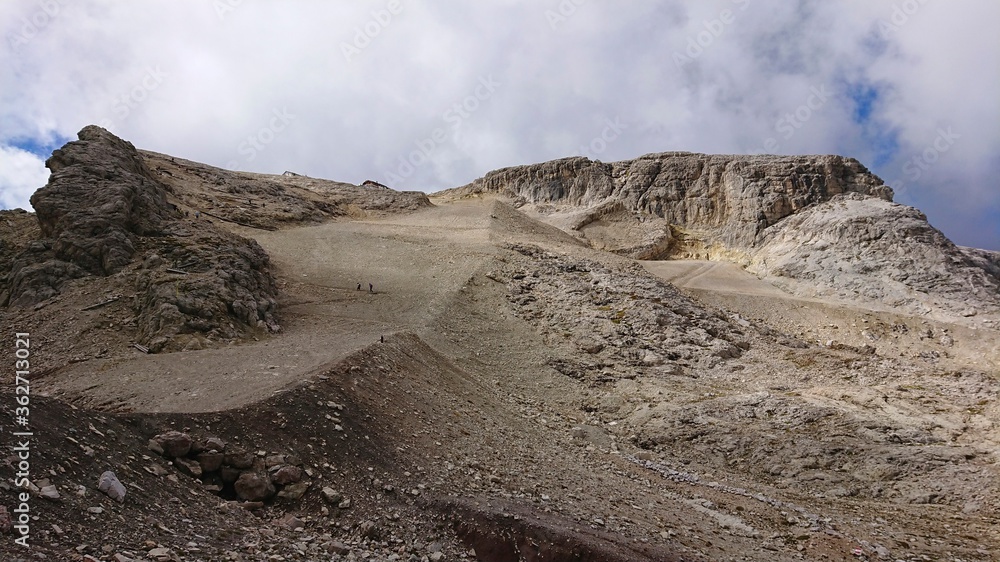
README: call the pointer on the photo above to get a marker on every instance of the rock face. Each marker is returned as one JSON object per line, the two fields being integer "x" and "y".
{"x": 103, "y": 213}
{"x": 854, "y": 246}
{"x": 99, "y": 199}
{"x": 733, "y": 197}
{"x": 810, "y": 224}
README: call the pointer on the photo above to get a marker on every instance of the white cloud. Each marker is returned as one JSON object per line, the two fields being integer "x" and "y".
{"x": 216, "y": 82}
{"x": 21, "y": 173}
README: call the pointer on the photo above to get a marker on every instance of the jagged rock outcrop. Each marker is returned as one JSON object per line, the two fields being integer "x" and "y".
{"x": 103, "y": 213}
{"x": 99, "y": 198}
{"x": 815, "y": 225}
{"x": 730, "y": 199}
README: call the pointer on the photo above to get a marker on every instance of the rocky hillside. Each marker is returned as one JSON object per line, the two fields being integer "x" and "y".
{"x": 156, "y": 245}
{"x": 814, "y": 225}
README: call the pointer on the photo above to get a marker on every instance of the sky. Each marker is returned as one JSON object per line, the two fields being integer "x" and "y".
{"x": 427, "y": 95}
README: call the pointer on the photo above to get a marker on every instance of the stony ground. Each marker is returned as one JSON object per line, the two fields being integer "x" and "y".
{"x": 504, "y": 392}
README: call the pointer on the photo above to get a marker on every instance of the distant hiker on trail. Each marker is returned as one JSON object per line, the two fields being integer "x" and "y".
{"x": 359, "y": 286}
{"x": 197, "y": 214}
{"x": 371, "y": 288}
{"x": 381, "y": 339}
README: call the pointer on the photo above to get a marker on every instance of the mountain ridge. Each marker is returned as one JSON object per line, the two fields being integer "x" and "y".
{"x": 751, "y": 210}
{"x": 284, "y": 367}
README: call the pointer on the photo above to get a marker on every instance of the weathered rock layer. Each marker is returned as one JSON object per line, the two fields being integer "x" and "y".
{"x": 813, "y": 224}
{"x": 104, "y": 213}
{"x": 736, "y": 197}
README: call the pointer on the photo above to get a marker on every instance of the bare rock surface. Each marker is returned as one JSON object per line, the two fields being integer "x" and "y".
{"x": 100, "y": 198}
{"x": 813, "y": 225}
{"x": 733, "y": 197}
{"x": 864, "y": 249}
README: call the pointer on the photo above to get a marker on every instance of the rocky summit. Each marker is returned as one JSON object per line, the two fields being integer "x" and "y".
{"x": 680, "y": 357}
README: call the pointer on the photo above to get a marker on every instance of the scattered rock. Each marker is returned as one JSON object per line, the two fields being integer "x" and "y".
{"x": 109, "y": 484}
{"x": 211, "y": 460}
{"x": 239, "y": 459}
{"x": 294, "y": 491}
{"x": 251, "y": 486}
{"x": 287, "y": 475}
{"x": 189, "y": 467}
{"x": 174, "y": 443}
{"x": 49, "y": 492}
{"x": 333, "y": 497}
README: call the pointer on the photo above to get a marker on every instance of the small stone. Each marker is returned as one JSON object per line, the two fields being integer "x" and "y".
{"x": 239, "y": 459}
{"x": 110, "y": 485}
{"x": 96, "y": 510}
{"x": 291, "y": 522}
{"x": 49, "y": 492}
{"x": 274, "y": 460}
{"x": 174, "y": 443}
{"x": 254, "y": 487}
{"x": 368, "y": 530}
{"x": 161, "y": 554}
{"x": 210, "y": 461}
{"x": 287, "y": 475}
{"x": 337, "y": 547}
{"x": 294, "y": 491}
{"x": 344, "y": 504}
{"x": 156, "y": 470}
{"x": 332, "y": 496}
{"x": 155, "y": 446}
{"x": 215, "y": 444}
{"x": 189, "y": 467}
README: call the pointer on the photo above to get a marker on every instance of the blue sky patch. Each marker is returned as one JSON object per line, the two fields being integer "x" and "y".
{"x": 39, "y": 147}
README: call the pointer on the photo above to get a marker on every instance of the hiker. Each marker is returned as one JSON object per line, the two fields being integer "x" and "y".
{"x": 359, "y": 286}
{"x": 371, "y": 288}
{"x": 381, "y": 339}
{"x": 197, "y": 214}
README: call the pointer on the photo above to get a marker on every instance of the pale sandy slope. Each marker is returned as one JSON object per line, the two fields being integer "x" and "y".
{"x": 415, "y": 263}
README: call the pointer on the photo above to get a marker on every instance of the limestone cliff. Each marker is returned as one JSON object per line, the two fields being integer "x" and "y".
{"x": 814, "y": 225}
{"x": 732, "y": 199}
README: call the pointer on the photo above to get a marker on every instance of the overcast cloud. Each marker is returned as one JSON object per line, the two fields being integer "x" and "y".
{"x": 430, "y": 95}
